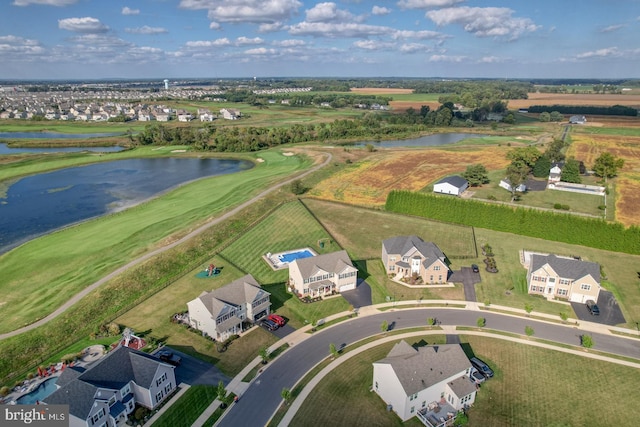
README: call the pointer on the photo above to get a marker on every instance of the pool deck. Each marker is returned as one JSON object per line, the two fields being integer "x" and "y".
{"x": 273, "y": 260}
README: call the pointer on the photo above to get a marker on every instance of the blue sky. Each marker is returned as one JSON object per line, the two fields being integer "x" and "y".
{"x": 88, "y": 39}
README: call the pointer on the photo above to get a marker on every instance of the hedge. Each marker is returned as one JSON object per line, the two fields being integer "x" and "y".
{"x": 615, "y": 110}
{"x": 595, "y": 233}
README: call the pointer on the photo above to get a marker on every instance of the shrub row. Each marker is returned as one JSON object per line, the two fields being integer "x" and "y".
{"x": 558, "y": 227}
{"x": 614, "y": 110}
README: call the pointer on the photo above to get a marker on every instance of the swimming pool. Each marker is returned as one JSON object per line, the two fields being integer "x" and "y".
{"x": 292, "y": 256}
{"x": 43, "y": 390}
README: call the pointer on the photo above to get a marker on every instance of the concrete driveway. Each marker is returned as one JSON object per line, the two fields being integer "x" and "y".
{"x": 194, "y": 371}
{"x": 610, "y": 313}
{"x": 468, "y": 278}
{"x": 360, "y": 296}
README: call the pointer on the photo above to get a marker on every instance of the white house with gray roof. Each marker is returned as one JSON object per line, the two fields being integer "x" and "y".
{"x": 221, "y": 312}
{"x": 431, "y": 382}
{"x": 553, "y": 276}
{"x": 104, "y": 394}
{"x": 406, "y": 256}
{"x": 454, "y": 185}
{"x": 322, "y": 274}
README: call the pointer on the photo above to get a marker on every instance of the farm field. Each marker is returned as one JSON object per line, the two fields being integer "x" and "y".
{"x": 369, "y": 181}
{"x": 518, "y": 394}
{"x": 84, "y": 253}
{"x": 575, "y": 99}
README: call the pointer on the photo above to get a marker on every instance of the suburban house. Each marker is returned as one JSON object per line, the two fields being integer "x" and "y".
{"x": 230, "y": 114}
{"x": 562, "y": 277}
{"x": 430, "y": 382}
{"x": 506, "y": 184}
{"x": 322, "y": 274}
{"x": 221, "y": 312}
{"x": 108, "y": 391}
{"x": 451, "y": 185}
{"x": 409, "y": 256}
{"x": 555, "y": 172}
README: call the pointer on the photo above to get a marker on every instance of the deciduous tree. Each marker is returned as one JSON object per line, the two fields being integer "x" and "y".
{"x": 607, "y": 165}
{"x": 476, "y": 175}
{"x": 571, "y": 172}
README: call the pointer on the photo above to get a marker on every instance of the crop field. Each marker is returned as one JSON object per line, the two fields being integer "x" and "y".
{"x": 368, "y": 182}
{"x": 531, "y": 387}
{"x": 575, "y": 99}
{"x": 587, "y": 147}
{"x": 291, "y": 226}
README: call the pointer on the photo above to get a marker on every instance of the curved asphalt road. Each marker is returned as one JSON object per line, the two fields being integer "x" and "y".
{"x": 77, "y": 297}
{"x": 262, "y": 398}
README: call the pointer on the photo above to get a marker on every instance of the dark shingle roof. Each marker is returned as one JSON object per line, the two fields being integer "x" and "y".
{"x": 405, "y": 245}
{"x": 69, "y": 374}
{"x": 241, "y": 291}
{"x": 567, "y": 268}
{"x": 455, "y": 180}
{"x": 77, "y": 394}
{"x": 418, "y": 369}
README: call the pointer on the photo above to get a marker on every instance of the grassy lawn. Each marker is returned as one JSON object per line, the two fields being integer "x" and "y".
{"x": 67, "y": 127}
{"x": 152, "y": 318}
{"x": 524, "y": 391}
{"x": 40, "y": 275}
{"x": 188, "y": 408}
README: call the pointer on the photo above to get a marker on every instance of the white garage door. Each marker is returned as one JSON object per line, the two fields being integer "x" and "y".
{"x": 347, "y": 287}
{"x": 578, "y": 298}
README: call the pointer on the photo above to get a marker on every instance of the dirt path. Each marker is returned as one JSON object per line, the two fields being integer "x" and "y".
{"x": 77, "y": 297}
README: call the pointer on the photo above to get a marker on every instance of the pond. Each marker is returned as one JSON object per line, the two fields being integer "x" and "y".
{"x": 423, "y": 141}
{"x": 36, "y": 205}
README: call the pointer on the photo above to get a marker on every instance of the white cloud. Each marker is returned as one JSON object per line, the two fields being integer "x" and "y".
{"x": 600, "y": 53}
{"x": 373, "y": 45}
{"x": 271, "y": 27}
{"x": 86, "y": 25}
{"x": 426, "y": 4}
{"x": 414, "y": 48}
{"x": 260, "y": 51}
{"x": 289, "y": 43}
{"x": 146, "y": 30}
{"x": 17, "y": 46}
{"x": 243, "y": 41}
{"x": 214, "y": 26}
{"x": 490, "y": 60}
{"x": 128, "y": 11}
{"x": 330, "y": 30}
{"x": 380, "y": 10}
{"x": 329, "y": 12}
{"x": 209, "y": 43}
{"x": 254, "y": 11}
{"x": 612, "y": 28}
{"x": 446, "y": 58}
{"x": 420, "y": 35}
{"x": 44, "y": 2}
{"x": 484, "y": 21}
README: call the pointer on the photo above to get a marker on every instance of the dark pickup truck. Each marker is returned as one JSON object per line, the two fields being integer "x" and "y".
{"x": 169, "y": 357}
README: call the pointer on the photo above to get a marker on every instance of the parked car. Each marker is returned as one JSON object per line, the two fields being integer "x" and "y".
{"x": 482, "y": 367}
{"x": 476, "y": 377}
{"x": 475, "y": 268}
{"x": 169, "y": 357}
{"x": 269, "y": 324}
{"x": 593, "y": 307}
{"x": 277, "y": 319}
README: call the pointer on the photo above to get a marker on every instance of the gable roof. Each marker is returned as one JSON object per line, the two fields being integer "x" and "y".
{"x": 455, "y": 180}
{"x": 404, "y": 245}
{"x": 113, "y": 371}
{"x": 418, "y": 369}
{"x": 241, "y": 291}
{"x": 334, "y": 262}
{"x": 568, "y": 268}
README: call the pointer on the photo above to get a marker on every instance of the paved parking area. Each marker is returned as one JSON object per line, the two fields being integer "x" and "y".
{"x": 283, "y": 331}
{"x": 610, "y": 313}
{"x": 194, "y": 371}
{"x": 360, "y": 296}
{"x": 468, "y": 278}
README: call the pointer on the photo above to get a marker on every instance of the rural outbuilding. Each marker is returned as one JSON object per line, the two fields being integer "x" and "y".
{"x": 451, "y": 185}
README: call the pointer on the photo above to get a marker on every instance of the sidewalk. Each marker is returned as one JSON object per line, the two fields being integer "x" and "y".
{"x": 237, "y": 386}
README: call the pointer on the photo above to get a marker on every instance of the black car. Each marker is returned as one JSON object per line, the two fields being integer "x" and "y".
{"x": 593, "y": 307}
{"x": 269, "y": 324}
{"x": 169, "y": 357}
{"x": 474, "y": 268}
{"x": 482, "y": 367}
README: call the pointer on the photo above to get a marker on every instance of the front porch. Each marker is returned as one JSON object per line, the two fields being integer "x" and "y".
{"x": 437, "y": 414}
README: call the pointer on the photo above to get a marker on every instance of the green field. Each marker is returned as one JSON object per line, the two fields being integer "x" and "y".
{"x": 188, "y": 408}
{"x": 622, "y": 131}
{"x": 531, "y": 387}
{"x": 40, "y": 275}
{"x": 67, "y": 127}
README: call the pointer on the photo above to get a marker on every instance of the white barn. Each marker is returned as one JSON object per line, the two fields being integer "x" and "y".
{"x": 454, "y": 185}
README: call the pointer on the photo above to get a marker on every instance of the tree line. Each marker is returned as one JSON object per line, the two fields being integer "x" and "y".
{"x": 595, "y": 233}
{"x": 614, "y": 110}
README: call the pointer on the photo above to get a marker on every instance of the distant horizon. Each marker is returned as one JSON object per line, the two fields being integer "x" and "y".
{"x": 79, "y": 39}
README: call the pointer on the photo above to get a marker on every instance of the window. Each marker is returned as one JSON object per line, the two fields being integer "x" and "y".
{"x": 431, "y": 278}
{"x": 168, "y": 388}
{"x": 125, "y": 390}
{"x": 436, "y": 268}
{"x": 376, "y": 385}
{"x": 159, "y": 396}
{"x": 440, "y": 278}
{"x": 565, "y": 281}
{"x": 413, "y": 409}
{"x": 424, "y": 403}
{"x": 392, "y": 268}
{"x": 112, "y": 400}
{"x": 562, "y": 292}
{"x": 161, "y": 379}
{"x": 585, "y": 287}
